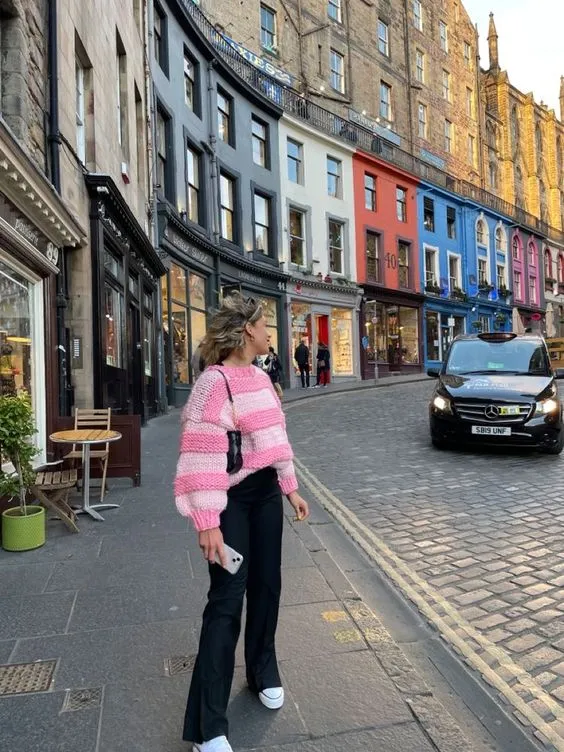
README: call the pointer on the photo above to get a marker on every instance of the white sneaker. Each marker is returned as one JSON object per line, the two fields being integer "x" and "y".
{"x": 272, "y": 698}
{"x": 219, "y": 744}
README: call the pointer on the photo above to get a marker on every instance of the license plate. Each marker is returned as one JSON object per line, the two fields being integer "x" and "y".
{"x": 509, "y": 410}
{"x": 491, "y": 431}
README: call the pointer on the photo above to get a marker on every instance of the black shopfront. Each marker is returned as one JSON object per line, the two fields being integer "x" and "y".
{"x": 125, "y": 282}
{"x": 198, "y": 276}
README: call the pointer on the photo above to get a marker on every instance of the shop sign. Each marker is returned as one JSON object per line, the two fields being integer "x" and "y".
{"x": 190, "y": 250}
{"x": 28, "y": 231}
{"x": 251, "y": 278}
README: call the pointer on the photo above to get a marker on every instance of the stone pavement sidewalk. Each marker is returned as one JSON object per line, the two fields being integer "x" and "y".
{"x": 117, "y": 609}
{"x": 293, "y": 395}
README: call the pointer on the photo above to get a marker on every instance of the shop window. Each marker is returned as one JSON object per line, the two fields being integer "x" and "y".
{"x": 270, "y": 312}
{"x": 334, "y": 177}
{"x": 301, "y": 326}
{"x": 260, "y": 142}
{"x": 451, "y": 222}
{"x": 193, "y": 160}
{"x": 401, "y": 204}
{"x": 295, "y": 161}
{"x": 113, "y": 266}
{"x": 297, "y": 237}
{"x": 341, "y": 342}
{"x": 409, "y": 334}
{"x": 336, "y": 246}
{"x": 484, "y": 322}
{"x": 263, "y": 224}
{"x": 404, "y": 250}
{"x": 369, "y": 192}
{"x": 114, "y": 326}
{"x": 225, "y": 130}
{"x": 373, "y": 273}
{"x": 429, "y": 214}
{"x": 432, "y": 327}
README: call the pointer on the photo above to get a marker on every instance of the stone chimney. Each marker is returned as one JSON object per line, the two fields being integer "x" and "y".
{"x": 493, "y": 46}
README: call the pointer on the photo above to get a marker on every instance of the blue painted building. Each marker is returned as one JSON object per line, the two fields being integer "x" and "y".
{"x": 465, "y": 267}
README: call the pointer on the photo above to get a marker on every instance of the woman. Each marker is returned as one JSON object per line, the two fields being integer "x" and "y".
{"x": 274, "y": 370}
{"x": 244, "y": 509}
{"x": 323, "y": 365}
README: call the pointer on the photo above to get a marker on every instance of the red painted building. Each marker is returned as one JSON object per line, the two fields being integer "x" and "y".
{"x": 387, "y": 257}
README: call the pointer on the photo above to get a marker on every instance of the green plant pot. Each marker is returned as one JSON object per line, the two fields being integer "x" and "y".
{"x": 23, "y": 532}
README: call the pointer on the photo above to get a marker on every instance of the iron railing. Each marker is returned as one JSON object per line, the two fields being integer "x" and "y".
{"x": 297, "y": 105}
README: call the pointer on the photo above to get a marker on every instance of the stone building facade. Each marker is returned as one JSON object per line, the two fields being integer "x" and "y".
{"x": 105, "y": 179}
{"x": 523, "y": 148}
{"x": 407, "y": 71}
{"x": 36, "y": 228}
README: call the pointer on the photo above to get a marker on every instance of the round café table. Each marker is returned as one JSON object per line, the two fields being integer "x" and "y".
{"x": 87, "y": 437}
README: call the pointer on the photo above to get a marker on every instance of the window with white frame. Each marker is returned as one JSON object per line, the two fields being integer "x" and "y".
{"x": 420, "y": 66}
{"x": 517, "y": 285}
{"x": 268, "y": 39}
{"x": 483, "y": 276}
{"x": 417, "y": 15}
{"x": 337, "y": 64}
{"x": 404, "y": 273}
{"x": 385, "y": 101}
{"x": 336, "y": 246}
{"x": 263, "y": 210}
{"x": 500, "y": 240}
{"x": 422, "y": 120}
{"x": 260, "y": 142}
{"x": 227, "y": 199}
{"x": 533, "y": 290}
{"x": 446, "y": 85}
{"x": 334, "y": 10}
{"x": 484, "y": 322}
{"x": 531, "y": 253}
{"x": 401, "y": 204}
{"x": 383, "y": 38}
{"x": 443, "y": 35}
{"x": 431, "y": 267}
{"x": 501, "y": 276}
{"x": 295, "y": 161}
{"x": 297, "y": 237}
{"x": 189, "y": 82}
{"x": 80, "y": 112}
{"x": 467, "y": 55}
{"x": 481, "y": 232}
{"x": 516, "y": 248}
{"x": 369, "y": 192}
{"x": 334, "y": 168}
{"x": 428, "y": 214}
{"x": 193, "y": 184}
{"x": 454, "y": 272}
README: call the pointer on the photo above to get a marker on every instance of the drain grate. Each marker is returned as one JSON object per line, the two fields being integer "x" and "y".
{"x": 20, "y": 678}
{"x": 82, "y": 699}
{"x": 179, "y": 664}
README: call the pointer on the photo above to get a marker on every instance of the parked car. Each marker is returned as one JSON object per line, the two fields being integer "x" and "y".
{"x": 497, "y": 388}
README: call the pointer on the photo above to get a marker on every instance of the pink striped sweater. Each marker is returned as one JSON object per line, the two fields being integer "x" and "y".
{"x": 202, "y": 481}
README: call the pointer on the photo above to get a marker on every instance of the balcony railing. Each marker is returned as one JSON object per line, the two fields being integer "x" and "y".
{"x": 298, "y": 106}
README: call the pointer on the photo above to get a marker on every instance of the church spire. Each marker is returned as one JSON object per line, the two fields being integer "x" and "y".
{"x": 492, "y": 45}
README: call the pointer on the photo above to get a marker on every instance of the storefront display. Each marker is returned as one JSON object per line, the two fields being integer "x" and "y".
{"x": 440, "y": 329}
{"x": 392, "y": 334}
{"x": 270, "y": 310}
{"x": 341, "y": 342}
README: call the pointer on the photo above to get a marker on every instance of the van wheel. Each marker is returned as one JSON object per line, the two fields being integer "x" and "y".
{"x": 558, "y": 447}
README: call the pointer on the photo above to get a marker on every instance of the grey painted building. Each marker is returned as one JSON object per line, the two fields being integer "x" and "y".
{"x": 216, "y": 171}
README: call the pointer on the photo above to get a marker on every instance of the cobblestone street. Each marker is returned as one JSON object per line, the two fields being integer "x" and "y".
{"x": 481, "y": 534}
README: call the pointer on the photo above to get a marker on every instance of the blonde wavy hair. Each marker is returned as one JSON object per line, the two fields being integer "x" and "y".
{"x": 226, "y": 331}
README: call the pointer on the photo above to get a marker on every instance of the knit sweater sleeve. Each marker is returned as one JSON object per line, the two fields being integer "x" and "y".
{"x": 202, "y": 481}
{"x": 285, "y": 467}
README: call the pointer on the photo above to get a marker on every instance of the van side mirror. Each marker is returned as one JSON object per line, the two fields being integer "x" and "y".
{"x": 434, "y": 372}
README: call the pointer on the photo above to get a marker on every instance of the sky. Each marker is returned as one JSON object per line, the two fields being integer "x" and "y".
{"x": 534, "y": 62}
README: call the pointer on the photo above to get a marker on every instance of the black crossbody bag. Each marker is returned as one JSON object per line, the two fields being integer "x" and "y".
{"x": 234, "y": 452}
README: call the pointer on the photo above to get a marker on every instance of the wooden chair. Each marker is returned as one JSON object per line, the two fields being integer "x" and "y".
{"x": 92, "y": 418}
{"x": 52, "y": 489}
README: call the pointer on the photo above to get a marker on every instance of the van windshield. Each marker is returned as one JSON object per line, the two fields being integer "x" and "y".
{"x": 516, "y": 357}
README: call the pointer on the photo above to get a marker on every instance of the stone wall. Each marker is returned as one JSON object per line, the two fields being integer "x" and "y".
{"x": 23, "y": 73}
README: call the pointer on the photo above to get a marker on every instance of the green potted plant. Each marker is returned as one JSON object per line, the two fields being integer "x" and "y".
{"x": 23, "y": 527}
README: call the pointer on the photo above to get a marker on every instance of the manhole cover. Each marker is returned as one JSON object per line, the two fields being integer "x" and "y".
{"x": 81, "y": 699}
{"x": 19, "y": 678}
{"x": 179, "y": 664}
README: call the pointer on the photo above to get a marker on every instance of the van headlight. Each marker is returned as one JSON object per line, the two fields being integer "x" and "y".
{"x": 547, "y": 407}
{"x": 442, "y": 404}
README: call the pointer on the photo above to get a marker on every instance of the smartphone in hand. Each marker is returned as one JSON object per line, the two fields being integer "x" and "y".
{"x": 234, "y": 559}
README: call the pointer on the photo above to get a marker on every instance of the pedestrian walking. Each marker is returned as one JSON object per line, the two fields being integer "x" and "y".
{"x": 301, "y": 356}
{"x": 235, "y": 464}
{"x": 273, "y": 368}
{"x": 323, "y": 365}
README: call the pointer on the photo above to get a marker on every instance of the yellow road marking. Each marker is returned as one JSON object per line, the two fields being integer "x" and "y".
{"x": 450, "y": 623}
{"x": 334, "y": 616}
{"x": 347, "y": 635}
